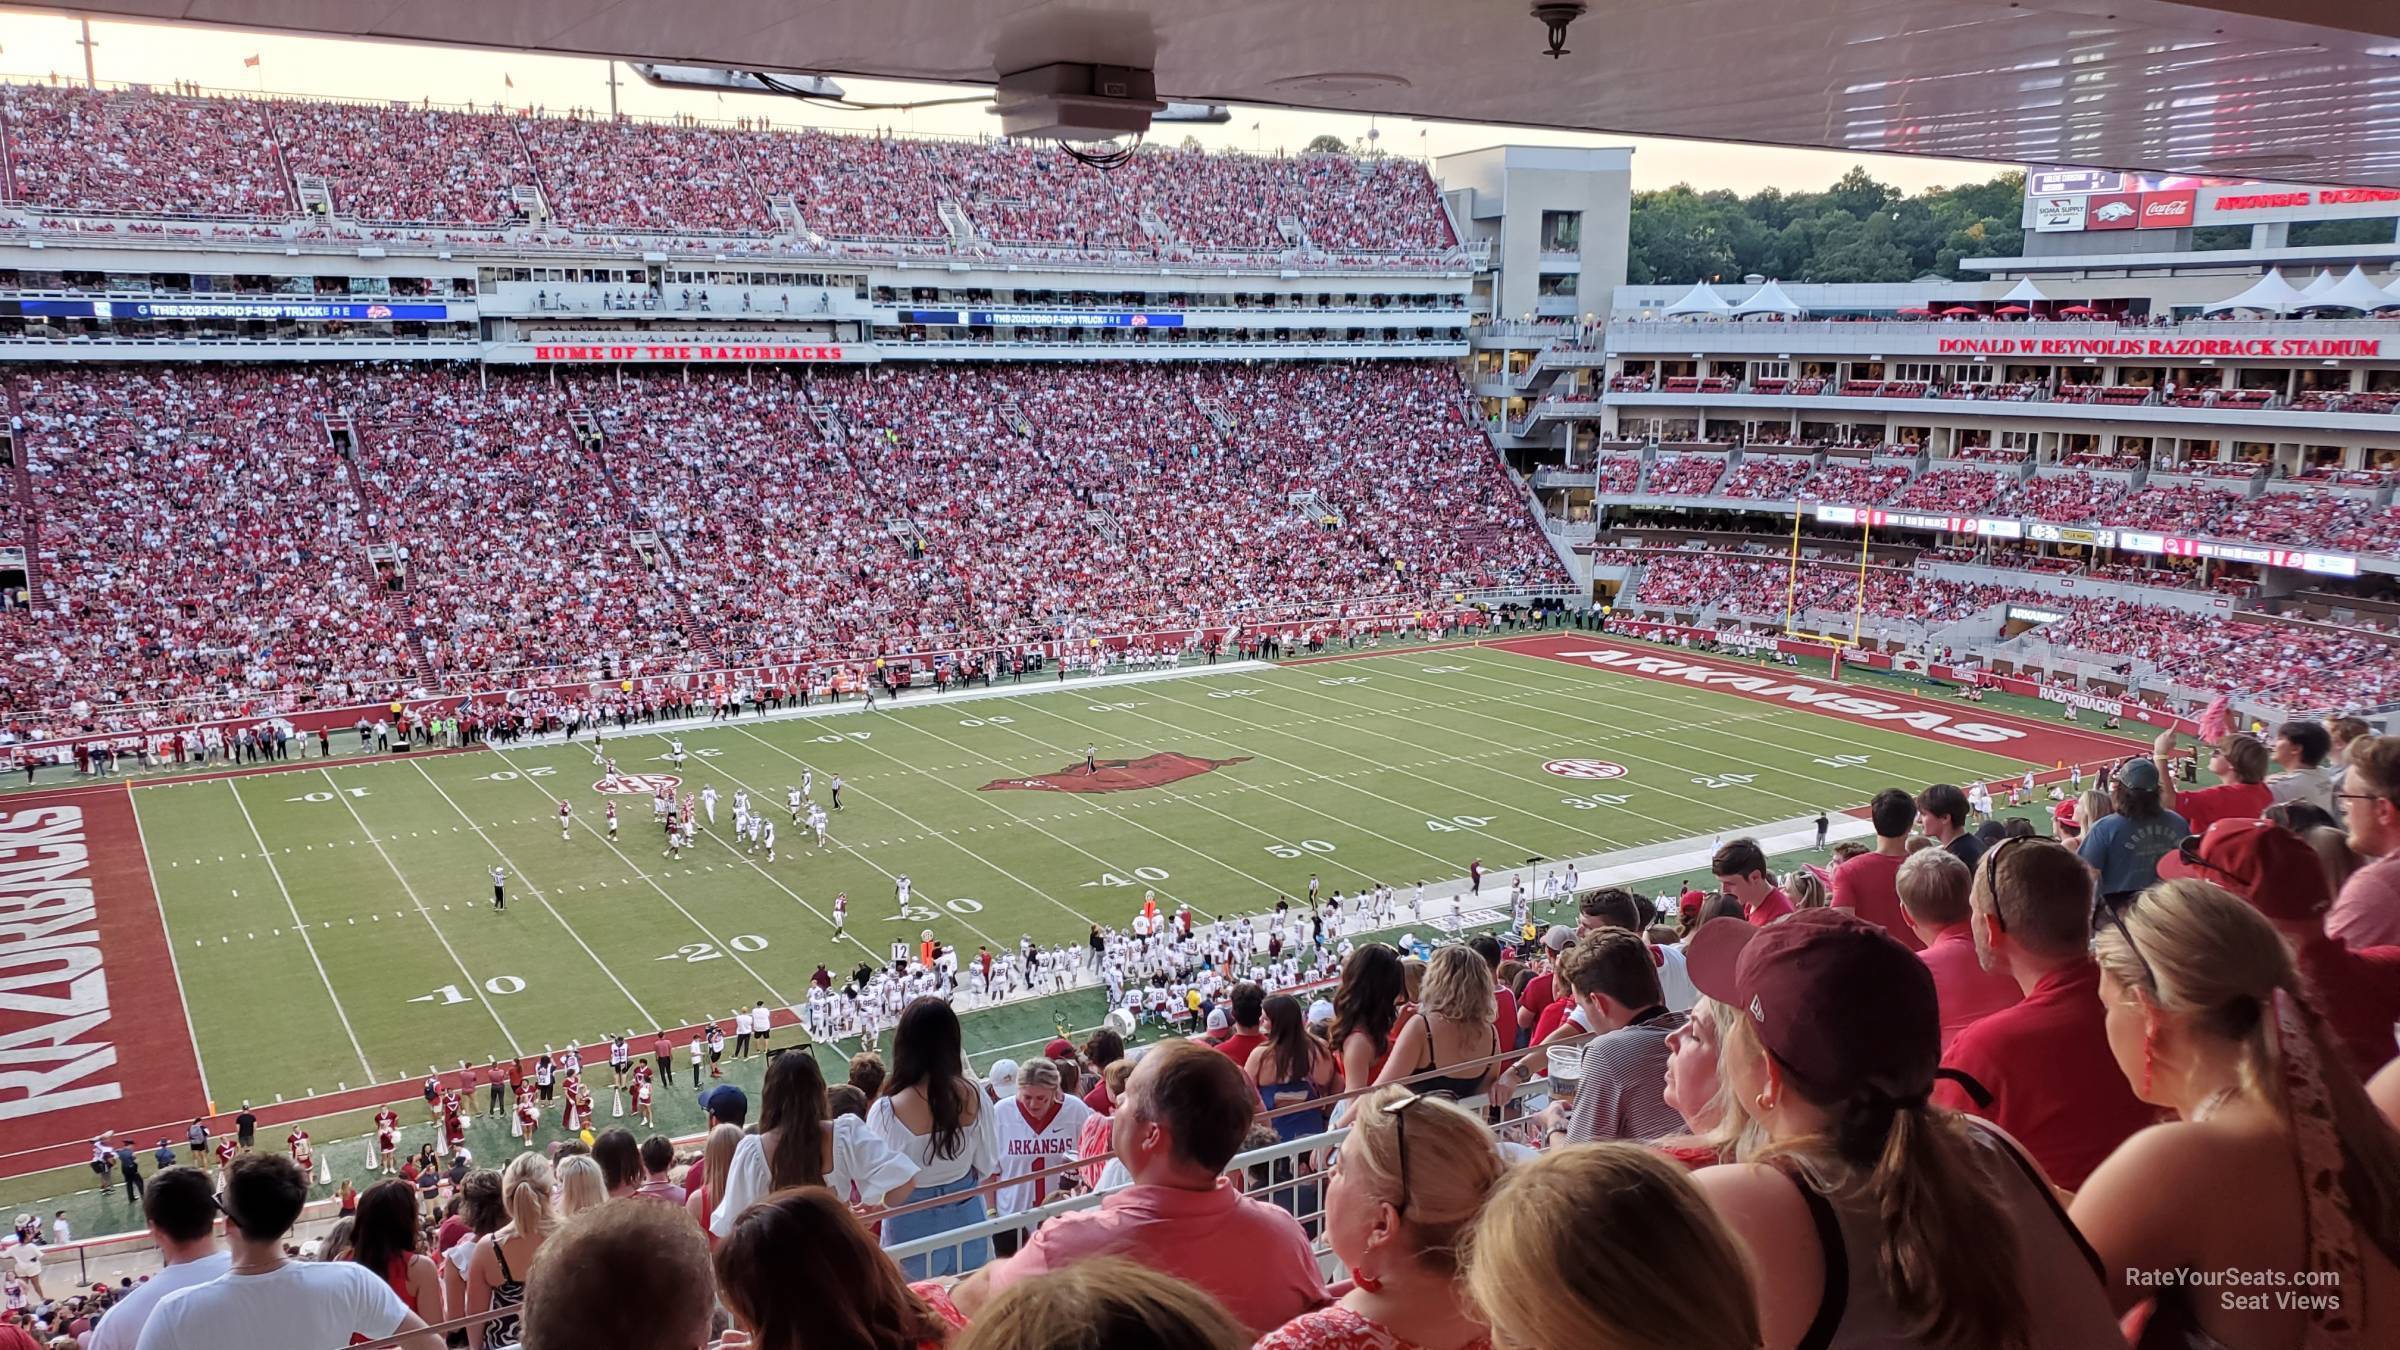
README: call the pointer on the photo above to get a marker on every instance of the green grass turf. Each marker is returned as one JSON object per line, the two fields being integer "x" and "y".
{"x": 1407, "y": 764}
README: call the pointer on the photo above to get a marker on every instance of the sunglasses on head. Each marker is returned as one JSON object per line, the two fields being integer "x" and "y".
{"x": 2113, "y": 914}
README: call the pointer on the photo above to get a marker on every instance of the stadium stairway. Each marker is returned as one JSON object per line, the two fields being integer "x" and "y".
{"x": 666, "y": 569}
{"x": 20, "y": 480}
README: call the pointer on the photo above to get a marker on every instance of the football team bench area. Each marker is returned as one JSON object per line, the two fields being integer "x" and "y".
{"x": 316, "y": 938}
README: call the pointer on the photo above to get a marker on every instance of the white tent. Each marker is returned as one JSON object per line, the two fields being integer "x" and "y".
{"x": 2352, "y": 292}
{"x": 2024, "y": 293}
{"x": 2270, "y": 293}
{"x": 1702, "y": 298}
{"x": 1767, "y": 299}
{"x": 2393, "y": 290}
{"x": 2325, "y": 281}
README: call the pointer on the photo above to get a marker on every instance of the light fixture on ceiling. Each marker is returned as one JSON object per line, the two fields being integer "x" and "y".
{"x": 1555, "y": 16}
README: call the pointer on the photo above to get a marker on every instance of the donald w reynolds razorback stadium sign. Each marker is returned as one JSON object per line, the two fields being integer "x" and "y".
{"x": 2317, "y": 347}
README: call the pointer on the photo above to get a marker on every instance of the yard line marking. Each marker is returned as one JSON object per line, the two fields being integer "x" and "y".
{"x": 1192, "y": 799}
{"x": 438, "y": 935}
{"x": 1618, "y": 733}
{"x": 168, "y": 930}
{"x": 777, "y": 882}
{"x": 1116, "y": 813}
{"x": 277, "y": 873}
{"x": 1028, "y": 886}
{"x": 1374, "y": 766}
{"x": 1339, "y": 781}
{"x": 641, "y": 875}
{"x": 1471, "y": 760}
{"x": 1568, "y": 692}
{"x": 539, "y": 898}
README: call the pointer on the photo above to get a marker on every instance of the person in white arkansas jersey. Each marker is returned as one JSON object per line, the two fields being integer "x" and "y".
{"x": 1036, "y": 1128}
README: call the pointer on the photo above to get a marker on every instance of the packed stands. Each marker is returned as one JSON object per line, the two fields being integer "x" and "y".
{"x": 198, "y": 537}
{"x": 460, "y": 168}
{"x": 596, "y": 526}
{"x": 2180, "y": 509}
{"x": 158, "y": 154}
{"x": 1767, "y": 477}
{"x": 1760, "y": 585}
{"x": 1684, "y": 475}
{"x": 85, "y": 150}
{"x": 1617, "y": 474}
{"x": 2069, "y": 496}
{"x": 1855, "y": 484}
{"x": 2314, "y": 665}
{"x": 1957, "y": 490}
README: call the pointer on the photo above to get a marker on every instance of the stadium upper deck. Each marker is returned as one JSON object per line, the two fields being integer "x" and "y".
{"x": 389, "y": 172}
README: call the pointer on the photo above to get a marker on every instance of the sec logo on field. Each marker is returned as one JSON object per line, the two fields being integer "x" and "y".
{"x": 1584, "y": 768}
{"x": 637, "y": 784}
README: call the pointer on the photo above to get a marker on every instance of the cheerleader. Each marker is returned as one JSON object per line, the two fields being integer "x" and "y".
{"x": 528, "y": 1118}
{"x": 387, "y": 1139}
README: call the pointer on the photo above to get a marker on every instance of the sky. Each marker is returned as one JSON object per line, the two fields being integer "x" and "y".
{"x": 36, "y": 47}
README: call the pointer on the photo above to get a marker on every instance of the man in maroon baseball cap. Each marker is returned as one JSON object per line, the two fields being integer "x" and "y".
{"x": 1842, "y": 1006}
{"x": 2356, "y": 990}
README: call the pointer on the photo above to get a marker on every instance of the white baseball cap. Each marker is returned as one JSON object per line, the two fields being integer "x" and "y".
{"x": 1003, "y": 1078}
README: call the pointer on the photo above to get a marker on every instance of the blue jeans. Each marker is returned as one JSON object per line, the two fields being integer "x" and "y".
{"x": 963, "y": 1259}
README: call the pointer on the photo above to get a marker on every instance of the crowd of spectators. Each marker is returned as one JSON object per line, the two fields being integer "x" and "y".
{"x": 1767, "y": 477}
{"x": 1857, "y": 484}
{"x": 1684, "y": 475}
{"x": 2071, "y": 497}
{"x": 198, "y": 534}
{"x": 157, "y": 153}
{"x": 207, "y": 535}
{"x": 2175, "y": 508}
{"x": 1958, "y": 491}
{"x": 1747, "y": 584}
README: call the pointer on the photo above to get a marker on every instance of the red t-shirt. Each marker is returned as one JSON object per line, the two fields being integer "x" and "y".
{"x": 2357, "y": 991}
{"x": 1540, "y": 993}
{"x": 1238, "y": 1046}
{"x": 1774, "y": 906}
{"x": 2047, "y": 1076}
{"x": 2226, "y": 801}
{"x": 1506, "y": 1021}
{"x": 1865, "y": 885}
{"x": 1556, "y": 1013}
{"x": 1964, "y": 990}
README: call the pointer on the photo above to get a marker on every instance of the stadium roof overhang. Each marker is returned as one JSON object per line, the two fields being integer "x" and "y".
{"x": 2296, "y": 90}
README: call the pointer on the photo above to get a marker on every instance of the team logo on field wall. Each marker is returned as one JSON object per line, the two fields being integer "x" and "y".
{"x": 1803, "y": 694}
{"x": 1118, "y": 775}
{"x": 637, "y": 784}
{"x": 1584, "y": 768}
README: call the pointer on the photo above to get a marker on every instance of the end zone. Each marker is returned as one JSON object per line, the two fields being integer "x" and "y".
{"x": 93, "y": 1036}
{"x": 1963, "y": 724}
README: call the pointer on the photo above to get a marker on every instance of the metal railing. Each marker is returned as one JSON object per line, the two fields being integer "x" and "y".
{"x": 1288, "y": 1174}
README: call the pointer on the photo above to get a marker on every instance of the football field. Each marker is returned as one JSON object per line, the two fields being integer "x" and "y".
{"x": 321, "y": 929}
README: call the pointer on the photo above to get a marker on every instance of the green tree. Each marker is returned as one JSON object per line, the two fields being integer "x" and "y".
{"x": 1856, "y": 230}
{"x": 1326, "y": 143}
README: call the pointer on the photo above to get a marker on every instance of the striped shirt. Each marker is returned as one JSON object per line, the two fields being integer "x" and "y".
{"x": 1623, "y": 1091}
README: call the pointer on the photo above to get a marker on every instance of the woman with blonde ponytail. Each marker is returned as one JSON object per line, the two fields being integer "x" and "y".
{"x": 496, "y": 1273}
{"x": 1871, "y": 1217}
{"x": 2277, "y": 1167}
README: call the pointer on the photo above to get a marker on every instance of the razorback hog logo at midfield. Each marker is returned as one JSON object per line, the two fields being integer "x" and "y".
{"x": 1119, "y": 775}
